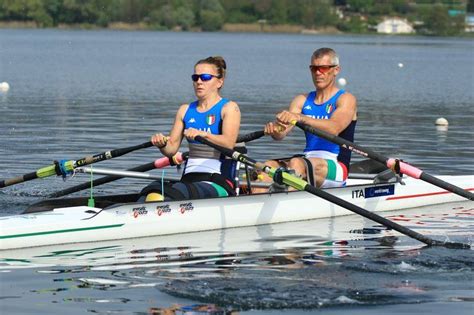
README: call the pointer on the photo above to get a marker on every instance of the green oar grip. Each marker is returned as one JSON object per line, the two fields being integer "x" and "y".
{"x": 46, "y": 171}
{"x": 288, "y": 179}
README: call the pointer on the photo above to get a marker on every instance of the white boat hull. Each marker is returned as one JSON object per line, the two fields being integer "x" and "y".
{"x": 86, "y": 224}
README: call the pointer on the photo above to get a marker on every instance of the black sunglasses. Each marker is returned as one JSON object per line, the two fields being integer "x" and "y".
{"x": 204, "y": 77}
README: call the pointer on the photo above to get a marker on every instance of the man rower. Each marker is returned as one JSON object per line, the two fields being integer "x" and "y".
{"x": 324, "y": 164}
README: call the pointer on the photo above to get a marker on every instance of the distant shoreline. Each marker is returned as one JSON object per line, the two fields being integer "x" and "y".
{"x": 228, "y": 27}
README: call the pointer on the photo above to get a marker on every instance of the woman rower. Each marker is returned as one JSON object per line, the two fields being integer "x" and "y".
{"x": 212, "y": 117}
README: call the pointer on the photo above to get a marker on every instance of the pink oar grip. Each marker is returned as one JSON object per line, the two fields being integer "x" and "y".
{"x": 165, "y": 161}
{"x": 162, "y": 162}
{"x": 405, "y": 168}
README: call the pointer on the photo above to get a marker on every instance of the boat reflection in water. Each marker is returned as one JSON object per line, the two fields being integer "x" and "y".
{"x": 180, "y": 250}
{"x": 276, "y": 244}
{"x": 307, "y": 264}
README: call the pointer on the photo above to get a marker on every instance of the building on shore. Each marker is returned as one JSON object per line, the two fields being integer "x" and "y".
{"x": 395, "y": 25}
{"x": 469, "y": 23}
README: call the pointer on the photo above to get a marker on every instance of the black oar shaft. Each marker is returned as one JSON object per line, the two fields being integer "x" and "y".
{"x": 18, "y": 179}
{"x": 405, "y": 168}
{"x": 70, "y": 165}
{"x": 110, "y": 154}
{"x": 445, "y": 185}
{"x": 300, "y": 184}
{"x": 250, "y": 136}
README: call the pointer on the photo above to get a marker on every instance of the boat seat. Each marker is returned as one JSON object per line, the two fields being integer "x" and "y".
{"x": 387, "y": 176}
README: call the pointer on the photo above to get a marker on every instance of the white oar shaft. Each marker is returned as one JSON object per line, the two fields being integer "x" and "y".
{"x": 104, "y": 171}
{"x": 131, "y": 174}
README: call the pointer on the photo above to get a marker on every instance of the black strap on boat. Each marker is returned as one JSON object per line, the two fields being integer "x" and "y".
{"x": 308, "y": 165}
{"x": 208, "y": 177}
{"x": 309, "y": 171}
{"x": 170, "y": 192}
{"x": 278, "y": 176}
{"x": 396, "y": 166}
{"x": 192, "y": 190}
{"x": 247, "y": 177}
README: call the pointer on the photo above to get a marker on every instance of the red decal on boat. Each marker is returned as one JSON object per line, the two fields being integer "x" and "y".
{"x": 400, "y": 219}
{"x": 423, "y": 195}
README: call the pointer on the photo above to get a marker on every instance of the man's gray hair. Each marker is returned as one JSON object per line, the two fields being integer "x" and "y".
{"x": 321, "y": 52}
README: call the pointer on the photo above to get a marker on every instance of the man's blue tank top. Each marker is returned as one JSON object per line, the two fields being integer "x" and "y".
{"x": 320, "y": 111}
{"x": 209, "y": 121}
{"x": 325, "y": 111}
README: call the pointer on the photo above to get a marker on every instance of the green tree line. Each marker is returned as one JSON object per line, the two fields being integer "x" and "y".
{"x": 436, "y": 17}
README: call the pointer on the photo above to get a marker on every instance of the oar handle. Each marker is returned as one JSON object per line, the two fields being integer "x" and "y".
{"x": 250, "y": 136}
{"x": 176, "y": 159}
{"x": 414, "y": 172}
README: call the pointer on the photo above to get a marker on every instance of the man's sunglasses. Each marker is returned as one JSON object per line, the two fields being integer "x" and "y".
{"x": 204, "y": 77}
{"x": 322, "y": 69}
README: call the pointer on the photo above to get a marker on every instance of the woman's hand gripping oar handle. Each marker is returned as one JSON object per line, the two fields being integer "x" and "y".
{"x": 159, "y": 163}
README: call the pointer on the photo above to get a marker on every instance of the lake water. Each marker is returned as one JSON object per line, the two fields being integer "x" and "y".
{"x": 75, "y": 93}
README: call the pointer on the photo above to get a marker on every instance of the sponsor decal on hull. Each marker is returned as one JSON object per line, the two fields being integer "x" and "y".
{"x": 184, "y": 207}
{"x": 139, "y": 211}
{"x": 372, "y": 192}
{"x": 160, "y": 210}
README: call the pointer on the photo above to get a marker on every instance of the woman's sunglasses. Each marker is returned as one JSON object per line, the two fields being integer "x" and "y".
{"x": 204, "y": 77}
{"x": 322, "y": 69}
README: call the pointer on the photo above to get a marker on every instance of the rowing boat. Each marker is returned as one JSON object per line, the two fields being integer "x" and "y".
{"x": 70, "y": 220}
{"x": 333, "y": 237}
